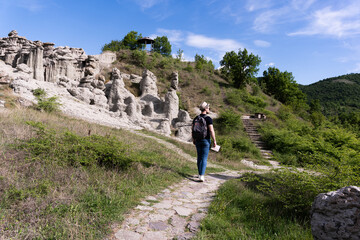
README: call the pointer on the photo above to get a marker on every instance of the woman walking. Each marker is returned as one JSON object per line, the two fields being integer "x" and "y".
{"x": 202, "y": 131}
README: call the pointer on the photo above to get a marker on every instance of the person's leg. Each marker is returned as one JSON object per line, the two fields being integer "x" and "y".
{"x": 202, "y": 147}
{"x": 199, "y": 155}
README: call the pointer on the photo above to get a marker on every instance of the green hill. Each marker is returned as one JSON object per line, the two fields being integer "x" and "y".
{"x": 336, "y": 95}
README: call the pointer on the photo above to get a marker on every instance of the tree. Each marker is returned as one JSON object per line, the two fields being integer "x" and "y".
{"x": 201, "y": 62}
{"x": 114, "y": 46}
{"x": 180, "y": 54}
{"x": 130, "y": 41}
{"x": 162, "y": 46}
{"x": 240, "y": 68}
{"x": 283, "y": 87}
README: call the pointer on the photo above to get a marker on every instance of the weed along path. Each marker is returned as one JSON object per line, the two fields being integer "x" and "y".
{"x": 176, "y": 212}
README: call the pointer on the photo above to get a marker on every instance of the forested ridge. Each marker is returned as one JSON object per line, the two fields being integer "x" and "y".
{"x": 336, "y": 95}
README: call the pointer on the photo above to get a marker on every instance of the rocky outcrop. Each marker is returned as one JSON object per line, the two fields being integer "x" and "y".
{"x": 77, "y": 75}
{"x": 336, "y": 215}
{"x": 48, "y": 63}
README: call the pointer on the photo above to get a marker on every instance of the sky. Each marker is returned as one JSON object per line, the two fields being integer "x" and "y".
{"x": 312, "y": 39}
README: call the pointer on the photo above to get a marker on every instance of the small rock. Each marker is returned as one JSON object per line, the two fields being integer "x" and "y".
{"x": 193, "y": 226}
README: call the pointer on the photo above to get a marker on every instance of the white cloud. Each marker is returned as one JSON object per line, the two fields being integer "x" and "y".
{"x": 30, "y": 5}
{"x": 253, "y": 5}
{"x": 219, "y": 45}
{"x": 270, "y": 64}
{"x": 230, "y": 11}
{"x": 261, "y": 43}
{"x": 265, "y": 21}
{"x": 175, "y": 37}
{"x": 302, "y": 4}
{"x": 144, "y": 4}
{"x": 336, "y": 23}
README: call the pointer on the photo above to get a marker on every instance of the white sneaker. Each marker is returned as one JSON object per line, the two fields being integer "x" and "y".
{"x": 202, "y": 178}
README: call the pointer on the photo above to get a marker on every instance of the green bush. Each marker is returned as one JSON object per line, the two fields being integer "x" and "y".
{"x": 206, "y": 91}
{"x": 237, "y": 147}
{"x": 76, "y": 150}
{"x": 139, "y": 57}
{"x": 241, "y": 212}
{"x": 45, "y": 104}
{"x": 240, "y": 97}
{"x": 229, "y": 121}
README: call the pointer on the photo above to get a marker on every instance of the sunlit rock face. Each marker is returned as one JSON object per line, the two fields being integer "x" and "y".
{"x": 71, "y": 74}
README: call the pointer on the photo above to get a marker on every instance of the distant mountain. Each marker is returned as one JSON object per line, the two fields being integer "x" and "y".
{"x": 336, "y": 94}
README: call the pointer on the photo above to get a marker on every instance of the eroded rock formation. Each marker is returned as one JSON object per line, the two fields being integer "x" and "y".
{"x": 68, "y": 68}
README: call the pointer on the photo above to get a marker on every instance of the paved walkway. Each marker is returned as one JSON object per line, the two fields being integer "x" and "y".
{"x": 175, "y": 213}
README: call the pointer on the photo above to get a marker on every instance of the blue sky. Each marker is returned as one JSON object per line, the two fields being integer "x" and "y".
{"x": 313, "y": 39}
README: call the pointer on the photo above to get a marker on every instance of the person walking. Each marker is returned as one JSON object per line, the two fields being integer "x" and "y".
{"x": 202, "y": 131}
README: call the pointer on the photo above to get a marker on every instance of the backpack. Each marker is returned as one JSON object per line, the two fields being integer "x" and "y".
{"x": 199, "y": 129}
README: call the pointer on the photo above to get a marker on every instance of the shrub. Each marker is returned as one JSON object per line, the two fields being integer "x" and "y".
{"x": 139, "y": 57}
{"x": 45, "y": 104}
{"x": 206, "y": 91}
{"x": 76, "y": 150}
{"x": 229, "y": 121}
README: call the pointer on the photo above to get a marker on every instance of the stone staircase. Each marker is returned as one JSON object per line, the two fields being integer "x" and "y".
{"x": 255, "y": 137}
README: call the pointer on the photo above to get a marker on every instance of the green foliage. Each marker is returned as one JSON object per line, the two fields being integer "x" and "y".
{"x": 240, "y": 212}
{"x": 130, "y": 41}
{"x": 206, "y": 91}
{"x": 113, "y": 46}
{"x": 162, "y": 46}
{"x": 229, "y": 121}
{"x": 76, "y": 150}
{"x": 179, "y": 55}
{"x": 189, "y": 68}
{"x": 329, "y": 152}
{"x": 283, "y": 87}
{"x": 336, "y": 95}
{"x": 201, "y": 63}
{"x": 46, "y": 104}
{"x": 237, "y": 146}
{"x": 240, "y": 68}
{"x": 139, "y": 57}
{"x": 240, "y": 97}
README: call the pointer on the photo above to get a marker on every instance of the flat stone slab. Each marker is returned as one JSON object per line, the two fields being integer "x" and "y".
{"x": 182, "y": 211}
{"x": 158, "y": 226}
{"x": 127, "y": 235}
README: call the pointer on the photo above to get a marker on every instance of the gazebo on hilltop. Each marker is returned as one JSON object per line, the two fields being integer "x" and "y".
{"x": 145, "y": 41}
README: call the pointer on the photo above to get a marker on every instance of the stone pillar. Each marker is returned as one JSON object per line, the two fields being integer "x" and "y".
{"x": 38, "y": 63}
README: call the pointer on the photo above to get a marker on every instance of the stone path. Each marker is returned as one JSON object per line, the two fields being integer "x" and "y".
{"x": 175, "y": 213}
